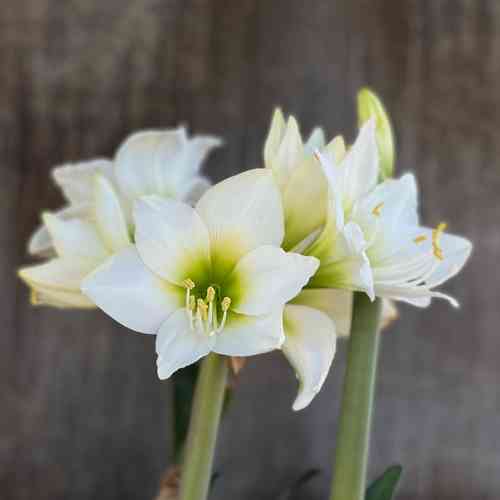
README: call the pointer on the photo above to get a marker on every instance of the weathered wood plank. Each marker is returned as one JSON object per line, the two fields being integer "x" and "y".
{"x": 83, "y": 415}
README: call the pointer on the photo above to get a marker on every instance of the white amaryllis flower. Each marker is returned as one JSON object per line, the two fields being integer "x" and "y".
{"x": 165, "y": 163}
{"x": 318, "y": 315}
{"x": 97, "y": 221}
{"x": 406, "y": 261}
{"x": 209, "y": 278}
{"x": 80, "y": 245}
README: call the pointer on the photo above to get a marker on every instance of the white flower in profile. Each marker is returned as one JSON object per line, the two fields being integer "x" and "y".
{"x": 408, "y": 261}
{"x": 405, "y": 261}
{"x": 209, "y": 278}
{"x": 298, "y": 175}
{"x": 80, "y": 246}
{"x": 322, "y": 312}
{"x": 166, "y": 163}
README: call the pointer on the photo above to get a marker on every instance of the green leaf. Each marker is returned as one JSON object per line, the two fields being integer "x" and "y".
{"x": 384, "y": 487}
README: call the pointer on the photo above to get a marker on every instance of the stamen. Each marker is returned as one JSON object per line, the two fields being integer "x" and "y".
{"x": 192, "y": 303}
{"x": 420, "y": 239}
{"x": 210, "y": 294}
{"x": 436, "y": 236}
{"x": 203, "y": 308}
{"x": 189, "y": 283}
{"x": 225, "y": 304}
{"x": 376, "y": 210}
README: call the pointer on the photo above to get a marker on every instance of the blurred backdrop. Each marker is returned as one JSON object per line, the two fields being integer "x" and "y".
{"x": 83, "y": 415}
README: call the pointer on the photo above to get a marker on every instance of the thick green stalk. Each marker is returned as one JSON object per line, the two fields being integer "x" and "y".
{"x": 203, "y": 426}
{"x": 353, "y": 435}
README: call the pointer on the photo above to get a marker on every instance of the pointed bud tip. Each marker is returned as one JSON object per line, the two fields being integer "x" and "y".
{"x": 370, "y": 105}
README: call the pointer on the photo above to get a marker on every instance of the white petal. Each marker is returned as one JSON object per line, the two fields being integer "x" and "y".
{"x": 267, "y": 278}
{"x": 178, "y": 345}
{"x": 75, "y": 238}
{"x": 306, "y": 188}
{"x": 109, "y": 216}
{"x": 335, "y": 150}
{"x": 393, "y": 203}
{"x": 160, "y": 162}
{"x": 344, "y": 263}
{"x": 242, "y": 213}
{"x": 197, "y": 189}
{"x": 290, "y": 153}
{"x": 316, "y": 141}
{"x": 456, "y": 251}
{"x": 171, "y": 239}
{"x": 309, "y": 346}
{"x": 60, "y": 273}
{"x": 136, "y": 165}
{"x": 40, "y": 243}
{"x": 178, "y": 170}
{"x": 60, "y": 298}
{"x": 125, "y": 289}
{"x": 274, "y": 137}
{"x": 77, "y": 180}
{"x": 249, "y": 335}
{"x": 361, "y": 164}
{"x": 337, "y": 304}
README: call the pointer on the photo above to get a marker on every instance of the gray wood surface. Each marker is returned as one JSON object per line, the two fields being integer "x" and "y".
{"x": 82, "y": 413}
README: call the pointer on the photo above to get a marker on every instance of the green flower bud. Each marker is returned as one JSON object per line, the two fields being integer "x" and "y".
{"x": 370, "y": 105}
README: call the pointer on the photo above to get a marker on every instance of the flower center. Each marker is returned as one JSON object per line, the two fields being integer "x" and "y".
{"x": 205, "y": 310}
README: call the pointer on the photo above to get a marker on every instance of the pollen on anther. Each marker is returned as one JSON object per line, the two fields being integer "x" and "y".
{"x": 210, "y": 294}
{"x": 420, "y": 239}
{"x": 436, "y": 236}
{"x": 376, "y": 210}
{"x": 203, "y": 308}
{"x": 225, "y": 304}
{"x": 188, "y": 283}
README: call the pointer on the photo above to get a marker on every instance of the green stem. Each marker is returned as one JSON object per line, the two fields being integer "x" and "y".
{"x": 203, "y": 426}
{"x": 353, "y": 435}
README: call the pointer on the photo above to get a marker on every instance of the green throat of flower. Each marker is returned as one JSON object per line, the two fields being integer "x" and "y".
{"x": 207, "y": 309}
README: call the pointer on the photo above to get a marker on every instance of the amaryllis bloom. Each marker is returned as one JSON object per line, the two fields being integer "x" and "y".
{"x": 299, "y": 177}
{"x": 161, "y": 162}
{"x": 209, "y": 278}
{"x": 318, "y": 315}
{"x": 97, "y": 221}
{"x": 406, "y": 261}
{"x": 80, "y": 246}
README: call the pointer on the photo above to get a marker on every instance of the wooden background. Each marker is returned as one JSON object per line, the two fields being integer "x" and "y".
{"x": 82, "y": 414}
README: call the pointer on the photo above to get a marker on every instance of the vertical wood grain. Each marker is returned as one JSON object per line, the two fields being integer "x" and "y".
{"x": 83, "y": 415}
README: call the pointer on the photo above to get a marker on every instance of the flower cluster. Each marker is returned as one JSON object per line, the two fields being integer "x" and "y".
{"x": 267, "y": 259}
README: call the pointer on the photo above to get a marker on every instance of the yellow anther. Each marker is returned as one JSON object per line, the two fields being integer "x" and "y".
{"x": 376, "y": 210}
{"x": 203, "y": 308}
{"x": 436, "y": 236}
{"x": 189, "y": 283}
{"x": 226, "y": 302}
{"x": 210, "y": 294}
{"x": 420, "y": 239}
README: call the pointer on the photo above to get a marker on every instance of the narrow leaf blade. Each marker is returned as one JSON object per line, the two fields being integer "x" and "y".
{"x": 384, "y": 487}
